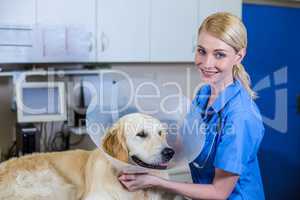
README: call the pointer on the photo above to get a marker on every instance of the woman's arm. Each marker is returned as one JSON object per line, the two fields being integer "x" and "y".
{"x": 221, "y": 187}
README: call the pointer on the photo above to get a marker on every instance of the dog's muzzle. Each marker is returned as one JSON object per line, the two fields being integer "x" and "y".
{"x": 167, "y": 154}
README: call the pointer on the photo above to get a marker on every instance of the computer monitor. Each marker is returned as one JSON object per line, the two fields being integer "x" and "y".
{"x": 41, "y": 102}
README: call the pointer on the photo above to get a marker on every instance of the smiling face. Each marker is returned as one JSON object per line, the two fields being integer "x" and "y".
{"x": 215, "y": 59}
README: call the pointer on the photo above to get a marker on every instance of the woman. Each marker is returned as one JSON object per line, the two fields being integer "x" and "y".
{"x": 227, "y": 168}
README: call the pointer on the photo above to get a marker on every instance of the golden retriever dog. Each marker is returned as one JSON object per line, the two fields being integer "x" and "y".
{"x": 88, "y": 175}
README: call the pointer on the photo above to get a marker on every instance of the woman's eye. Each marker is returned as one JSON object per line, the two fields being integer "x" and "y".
{"x": 220, "y": 55}
{"x": 201, "y": 51}
{"x": 142, "y": 134}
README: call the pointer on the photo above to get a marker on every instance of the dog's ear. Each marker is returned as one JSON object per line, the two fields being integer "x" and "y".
{"x": 114, "y": 143}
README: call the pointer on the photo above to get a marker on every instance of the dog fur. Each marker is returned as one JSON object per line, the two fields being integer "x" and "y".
{"x": 83, "y": 175}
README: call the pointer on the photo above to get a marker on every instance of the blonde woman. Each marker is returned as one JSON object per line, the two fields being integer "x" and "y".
{"x": 227, "y": 167}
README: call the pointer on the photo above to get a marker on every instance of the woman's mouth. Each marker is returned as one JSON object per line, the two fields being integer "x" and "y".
{"x": 208, "y": 73}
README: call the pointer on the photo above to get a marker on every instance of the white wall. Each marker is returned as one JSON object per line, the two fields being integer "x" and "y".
{"x": 183, "y": 74}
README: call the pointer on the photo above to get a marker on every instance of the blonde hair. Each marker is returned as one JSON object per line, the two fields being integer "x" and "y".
{"x": 231, "y": 30}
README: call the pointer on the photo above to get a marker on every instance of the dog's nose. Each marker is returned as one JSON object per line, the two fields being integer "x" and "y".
{"x": 167, "y": 154}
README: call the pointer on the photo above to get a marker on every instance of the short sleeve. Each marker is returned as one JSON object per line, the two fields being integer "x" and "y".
{"x": 240, "y": 138}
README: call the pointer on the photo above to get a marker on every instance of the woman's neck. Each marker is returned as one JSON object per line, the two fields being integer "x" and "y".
{"x": 216, "y": 89}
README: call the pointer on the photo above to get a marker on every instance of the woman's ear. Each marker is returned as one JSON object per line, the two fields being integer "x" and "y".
{"x": 114, "y": 143}
{"x": 240, "y": 56}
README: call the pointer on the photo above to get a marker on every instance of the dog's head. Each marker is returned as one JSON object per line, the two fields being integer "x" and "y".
{"x": 140, "y": 139}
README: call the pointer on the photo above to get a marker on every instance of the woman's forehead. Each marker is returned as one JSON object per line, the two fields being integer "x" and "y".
{"x": 212, "y": 43}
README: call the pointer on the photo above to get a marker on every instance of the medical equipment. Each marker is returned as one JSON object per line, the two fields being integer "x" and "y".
{"x": 41, "y": 101}
{"x": 27, "y": 139}
{"x": 210, "y": 138}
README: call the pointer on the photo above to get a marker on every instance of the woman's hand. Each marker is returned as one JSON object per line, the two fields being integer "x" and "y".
{"x": 133, "y": 182}
{"x": 221, "y": 188}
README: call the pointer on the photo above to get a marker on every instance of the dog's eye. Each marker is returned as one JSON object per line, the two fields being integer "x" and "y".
{"x": 142, "y": 134}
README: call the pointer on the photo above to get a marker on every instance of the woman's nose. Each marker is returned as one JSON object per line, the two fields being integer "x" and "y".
{"x": 205, "y": 61}
{"x": 208, "y": 62}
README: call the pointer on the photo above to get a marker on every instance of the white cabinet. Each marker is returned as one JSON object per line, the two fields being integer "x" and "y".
{"x": 173, "y": 30}
{"x": 104, "y": 30}
{"x": 123, "y": 30}
{"x": 205, "y": 8}
{"x": 67, "y": 30}
{"x": 17, "y": 12}
{"x": 17, "y": 19}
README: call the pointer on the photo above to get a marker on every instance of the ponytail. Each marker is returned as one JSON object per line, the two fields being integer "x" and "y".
{"x": 239, "y": 73}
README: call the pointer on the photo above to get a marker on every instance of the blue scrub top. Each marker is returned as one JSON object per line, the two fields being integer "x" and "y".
{"x": 233, "y": 133}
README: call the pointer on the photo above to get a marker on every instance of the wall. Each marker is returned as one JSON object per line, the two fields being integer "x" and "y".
{"x": 183, "y": 74}
{"x": 273, "y": 34}
{"x": 7, "y": 118}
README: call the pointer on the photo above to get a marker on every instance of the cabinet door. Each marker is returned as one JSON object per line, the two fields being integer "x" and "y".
{"x": 173, "y": 28}
{"x": 17, "y": 12}
{"x": 207, "y": 7}
{"x": 67, "y": 30}
{"x": 17, "y": 20}
{"x": 123, "y": 30}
